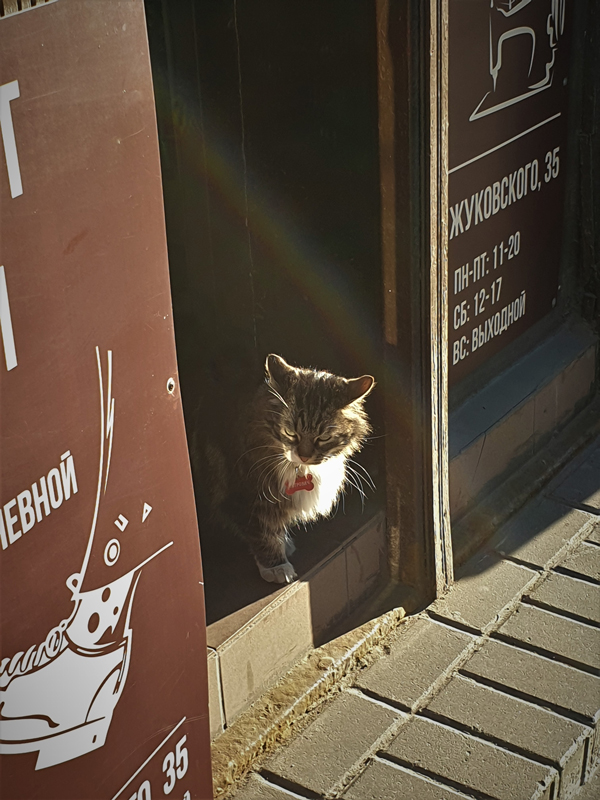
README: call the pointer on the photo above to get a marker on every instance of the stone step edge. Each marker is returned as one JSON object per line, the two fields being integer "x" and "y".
{"x": 278, "y": 714}
{"x": 472, "y": 530}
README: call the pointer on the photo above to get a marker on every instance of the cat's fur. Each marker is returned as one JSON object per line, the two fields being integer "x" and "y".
{"x": 299, "y": 422}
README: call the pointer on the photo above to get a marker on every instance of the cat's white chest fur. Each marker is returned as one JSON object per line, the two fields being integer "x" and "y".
{"x": 328, "y": 479}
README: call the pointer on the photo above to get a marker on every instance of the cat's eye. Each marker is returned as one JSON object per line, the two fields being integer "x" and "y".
{"x": 291, "y": 434}
{"x": 324, "y": 437}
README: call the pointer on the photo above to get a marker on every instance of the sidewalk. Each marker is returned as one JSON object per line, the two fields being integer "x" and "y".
{"x": 492, "y": 692}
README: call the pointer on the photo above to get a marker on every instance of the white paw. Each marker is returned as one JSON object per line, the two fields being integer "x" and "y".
{"x": 282, "y": 573}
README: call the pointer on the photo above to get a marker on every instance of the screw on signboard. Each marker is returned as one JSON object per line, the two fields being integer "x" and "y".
{"x": 170, "y": 386}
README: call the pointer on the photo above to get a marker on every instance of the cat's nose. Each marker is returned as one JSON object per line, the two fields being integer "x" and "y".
{"x": 303, "y": 459}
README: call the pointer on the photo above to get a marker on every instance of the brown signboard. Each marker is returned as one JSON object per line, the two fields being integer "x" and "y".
{"x": 507, "y": 125}
{"x": 103, "y": 686}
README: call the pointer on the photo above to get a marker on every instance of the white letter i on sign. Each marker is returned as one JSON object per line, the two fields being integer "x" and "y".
{"x": 8, "y": 92}
{"x": 10, "y": 353}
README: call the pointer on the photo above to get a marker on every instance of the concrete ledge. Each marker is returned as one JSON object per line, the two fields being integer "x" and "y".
{"x": 512, "y": 417}
{"x": 249, "y": 652}
{"x": 581, "y": 486}
{"x": 492, "y": 511}
{"x": 282, "y": 710}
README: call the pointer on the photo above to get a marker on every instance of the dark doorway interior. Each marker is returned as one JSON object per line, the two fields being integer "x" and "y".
{"x": 267, "y": 118}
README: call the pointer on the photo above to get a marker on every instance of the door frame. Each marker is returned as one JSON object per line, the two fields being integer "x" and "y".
{"x": 413, "y": 134}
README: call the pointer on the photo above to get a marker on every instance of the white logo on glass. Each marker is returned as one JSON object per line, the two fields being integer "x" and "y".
{"x": 522, "y": 18}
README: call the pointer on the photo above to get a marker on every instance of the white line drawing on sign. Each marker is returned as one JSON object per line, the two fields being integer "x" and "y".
{"x": 112, "y": 551}
{"x": 8, "y": 337}
{"x": 110, "y": 419}
{"x": 122, "y": 522}
{"x": 503, "y": 144}
{"x": 522, "y": 18}
{"x": 58, "y": 697}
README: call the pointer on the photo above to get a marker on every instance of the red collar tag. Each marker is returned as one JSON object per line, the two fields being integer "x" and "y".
{"x": 303, "y": 482}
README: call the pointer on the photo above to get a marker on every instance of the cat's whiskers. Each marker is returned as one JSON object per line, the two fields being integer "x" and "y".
{"x": 356, "y": 481}
{"x": 356, "y": 474}
{"x": 276, "y": 394}
{"x": 279, "y": 477}
{"x": 263, "y": 494}
{"x": 259, "y": 461}
{"x": 258, "y": 447}
{"x": 279, "y": 414}
{"x": 267, "y": 472}
{"x": 367, "y": 477}
{"x": 275, "y": 499}
{"x": 267, "y": 468}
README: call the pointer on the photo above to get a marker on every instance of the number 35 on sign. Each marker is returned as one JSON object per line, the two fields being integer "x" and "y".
{"x": 174, "y": 767}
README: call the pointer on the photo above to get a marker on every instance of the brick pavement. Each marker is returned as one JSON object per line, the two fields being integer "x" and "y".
{"x": 492, "y": 693}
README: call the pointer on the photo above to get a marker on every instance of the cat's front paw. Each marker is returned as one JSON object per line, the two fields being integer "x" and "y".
{"x": 282, "y": 573}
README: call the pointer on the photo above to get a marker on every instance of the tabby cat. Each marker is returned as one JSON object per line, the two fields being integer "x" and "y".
{"x": 293, "y": 443}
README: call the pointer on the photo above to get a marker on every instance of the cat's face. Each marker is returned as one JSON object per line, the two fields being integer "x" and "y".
{"x": 314, "y": 415}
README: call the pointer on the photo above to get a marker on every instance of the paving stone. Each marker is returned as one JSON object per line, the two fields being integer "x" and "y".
{"x": 419, "y": 654}
{"x": 594, "y": 759}
{"x": 565, "y": 593}
{"x": 325, "y": 751}
{"x": 585, "y": 560}
{"x": 533, "y": 730}
{"x": 546, "y": 630}
{"x": 582, "y": 484}
{"x": 485, "y": 584}
{"x": 385, "y": 781}
{"x": 591, "y": 789}
{"x": 539, "y": 678}
{"x": 470, "y": 762}
{"x": 538, "y": 532}
{"x": 259, "y": 789}
{"x": 594, "y": 534}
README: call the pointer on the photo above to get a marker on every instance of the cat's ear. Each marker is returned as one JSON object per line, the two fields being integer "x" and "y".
{"x": 277, "y": 368}
{"x": 359, "y": 388}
